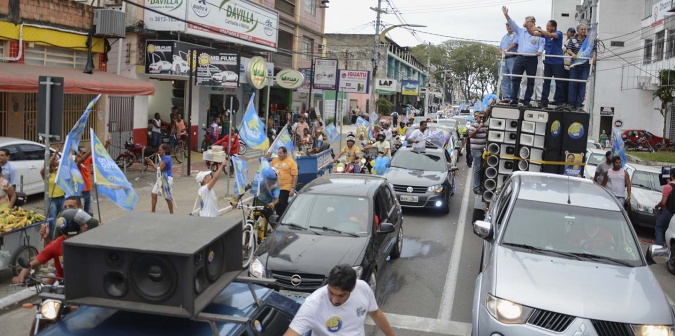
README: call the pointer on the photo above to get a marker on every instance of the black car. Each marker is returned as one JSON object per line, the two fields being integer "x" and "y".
{"x": 335, "y": 219}
{"x": 422, "y": 178}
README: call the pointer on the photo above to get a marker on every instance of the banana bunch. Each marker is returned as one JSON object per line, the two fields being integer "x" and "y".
{"x": 12, "y": 219}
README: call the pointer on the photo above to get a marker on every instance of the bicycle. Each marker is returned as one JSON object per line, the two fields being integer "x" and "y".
{"x": 254, "y": 232}
{"x": 180, "y": 149}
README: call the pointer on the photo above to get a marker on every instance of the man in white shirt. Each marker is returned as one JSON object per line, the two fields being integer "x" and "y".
{"x": 419, "y": 136}
{"x": 382, "y": 145}
{"x": 339, "y": 308}
{"x": 208, "y": 201}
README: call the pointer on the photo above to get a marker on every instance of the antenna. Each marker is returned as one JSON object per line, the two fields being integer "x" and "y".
{"x": 569, "y": 201}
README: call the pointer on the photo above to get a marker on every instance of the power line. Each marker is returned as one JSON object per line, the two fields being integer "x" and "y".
{"x": 455, "y": 37}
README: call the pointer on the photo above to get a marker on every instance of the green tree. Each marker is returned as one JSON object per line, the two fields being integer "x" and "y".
{"x": 384, "y": 106}
{"x": 665, "y": 94}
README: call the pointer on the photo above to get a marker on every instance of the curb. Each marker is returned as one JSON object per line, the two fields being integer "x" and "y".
{"x": 16, "y": 297}
{"x": 637, "y": 160}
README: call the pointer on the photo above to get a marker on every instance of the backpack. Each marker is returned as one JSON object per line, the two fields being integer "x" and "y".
{"x": 670, "y": 202}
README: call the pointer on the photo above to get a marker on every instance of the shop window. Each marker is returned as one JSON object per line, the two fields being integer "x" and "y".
{"x": 648, "y": 51}
{"x": 307, "y": 47}
{"x": 310, "y": 6}
{"x": 2, "y": 47}
{"x": 670, "y": 44}
{"x": 55, "y": 57}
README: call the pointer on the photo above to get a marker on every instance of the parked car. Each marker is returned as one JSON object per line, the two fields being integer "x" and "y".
{"x": 28, "y": 157}
{"x": 335, "y": 219}
{"x": 645, "y": 193}
{"x": 593, "y": 144}
{"x": 423, "y": 179}
{"x": 633, "y": 135}
{"x": 225, "y": 76}
{"x": 594, "y": 157}
{"x": 557, "y": 252}
{"x": 271, "y": 315}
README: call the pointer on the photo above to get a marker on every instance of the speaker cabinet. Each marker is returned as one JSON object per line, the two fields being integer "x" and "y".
{"x": 527, "y": 127}
{"x": 497, "y": 124}
{"x": 507, "y": 150}
{"x": 511, "y": 125}
{"x": 166, "y": 264}
{"x": 510, "y": 137}
{"x": 495, "y": 136}
{"x": 504, "y": 112}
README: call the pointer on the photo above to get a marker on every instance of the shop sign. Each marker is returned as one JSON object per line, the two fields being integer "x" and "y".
{"x": 607, "y": 111}
{"x": 158, "y": 17}
{"x": 307, "y": 82}
{"x": 658, "y": 10}
{"x": 289, "y": 78}
{"x": 236, "y": 21}
{"x": 165, "y": 57}
{"x": 386, "y": 86}
{"x": 354, "y": 81}
{"x": 325, "y": 72}
{"x": 243, "y": 70}
{"x": 257, "y": 72}
{"x": 410, "y": 87}
{"x": 217, "y": 68}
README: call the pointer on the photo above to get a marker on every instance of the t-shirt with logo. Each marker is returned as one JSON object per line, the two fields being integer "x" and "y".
{"x": 317, "y": 313}
{"x": 287, "y": 169}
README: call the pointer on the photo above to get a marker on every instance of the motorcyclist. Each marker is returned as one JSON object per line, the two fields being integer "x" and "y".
{"x": 265, "y": 188}
{"x": 71, "y": 222}
{"x": 352, "y": 151}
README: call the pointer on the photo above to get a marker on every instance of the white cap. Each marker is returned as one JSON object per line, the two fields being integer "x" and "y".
{"x": 201, "y": 175}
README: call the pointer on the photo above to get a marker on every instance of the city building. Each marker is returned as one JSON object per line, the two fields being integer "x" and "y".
{"x": 399, "y": 75}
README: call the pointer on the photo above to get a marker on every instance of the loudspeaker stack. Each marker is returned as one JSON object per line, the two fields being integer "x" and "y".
{"x": 503, "y": 136}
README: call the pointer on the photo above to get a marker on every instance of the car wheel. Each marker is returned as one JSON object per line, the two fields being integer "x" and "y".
{"x": 670, "y": 265}
{"x": 398, "y": 247}
{"x": 372, "y": 280}
{"x": 446, "y": 206}
{"x": 27, "y": 252}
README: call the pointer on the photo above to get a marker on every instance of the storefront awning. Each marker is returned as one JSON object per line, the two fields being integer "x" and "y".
{"x": 24, "y": 78}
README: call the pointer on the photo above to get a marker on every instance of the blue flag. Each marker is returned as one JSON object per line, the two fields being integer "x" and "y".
{"x": 488, "y": 100}
{"x": 109, "y": 179}
{"x": 374, "y": 117}
{"x": 587, "y": 47}
{"x": 332, "y": 133}
{"x": 618, "y": 148}
{"x": 258, "y": 178}
{"x": 362, "y": 122}
{"x": 252, "y": 130}
{"x": 437, "y": 138}
{"x": 284, "y": 139}
{"x": 240, "y": 175}
{"x": 81, "y": 125}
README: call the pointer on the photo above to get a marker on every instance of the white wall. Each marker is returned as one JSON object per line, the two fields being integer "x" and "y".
{"x": 161, "y": 101}
{"x": 560, "y": 7}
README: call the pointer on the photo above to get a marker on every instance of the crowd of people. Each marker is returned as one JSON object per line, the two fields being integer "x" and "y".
{"x": 530, "y": 51}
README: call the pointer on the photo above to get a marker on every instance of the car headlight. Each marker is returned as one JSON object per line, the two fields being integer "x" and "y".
{"x": 359, "y": 271}
{"x": 50, "y": 309}
{"x": 653, "y": 330}
{"x": 257, "y": 269}
{"x": 436, "y": 188}
{"x": 506, "y": 311}
{"x": 644, "y": 208}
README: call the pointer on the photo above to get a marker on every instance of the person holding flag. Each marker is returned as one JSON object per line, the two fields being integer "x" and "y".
{"x": 265, "y": 188}
{"x": 164, "y": 177}
{"x": 580, "y": 46}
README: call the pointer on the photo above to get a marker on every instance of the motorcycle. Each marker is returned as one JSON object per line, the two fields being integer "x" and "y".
{"x": 206, "y": 142}
{"x": 642, "y": 144}
{"x": 134, "y": 152}
{"x": 52, "y": 307}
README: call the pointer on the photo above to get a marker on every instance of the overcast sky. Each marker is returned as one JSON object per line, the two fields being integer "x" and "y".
{"x": 470, "y": 19}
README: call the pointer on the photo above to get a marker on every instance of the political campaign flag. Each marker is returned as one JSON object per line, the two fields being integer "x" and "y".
{"x": 252, "y": 130}
{"x": 586, "y": 50}
{"x": 283, "y": 139}
{"x": 332, "y": 133}
{"x": 240, "y": 175}
{"x": 109, "y": 179}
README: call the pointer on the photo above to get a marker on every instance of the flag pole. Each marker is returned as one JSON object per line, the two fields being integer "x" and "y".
{"x": 277, "y": 138}
{"x": 98, "y": 203}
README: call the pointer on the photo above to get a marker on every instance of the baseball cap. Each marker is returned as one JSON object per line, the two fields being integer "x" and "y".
{"x": 201, "y": 175}
{"x": 570, "y": 29}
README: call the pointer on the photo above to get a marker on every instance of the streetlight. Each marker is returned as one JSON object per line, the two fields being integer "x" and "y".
{"x": 383, "y": 40}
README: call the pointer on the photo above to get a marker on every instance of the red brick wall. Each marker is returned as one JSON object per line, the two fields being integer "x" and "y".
{"x": 65, "y": 13}
{"x": 14, "y": 50}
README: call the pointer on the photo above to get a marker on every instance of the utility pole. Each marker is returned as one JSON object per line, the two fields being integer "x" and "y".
{"x": 590, "y": 89}
{"x": 376, "y": 53}
{"x": 426, "y": 95}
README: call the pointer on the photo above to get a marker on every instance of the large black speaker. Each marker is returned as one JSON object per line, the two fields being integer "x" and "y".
{"x": 554, "y": 140}
{"x": 168, "y": 264}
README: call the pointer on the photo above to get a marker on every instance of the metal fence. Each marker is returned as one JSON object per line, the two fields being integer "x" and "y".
{"x": 120, "y": 123}
{"x": 30, "y": 104}
{"x": 73, "y": 107}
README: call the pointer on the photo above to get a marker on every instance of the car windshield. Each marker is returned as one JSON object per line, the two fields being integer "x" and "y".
{"x": 596, "y": 159}
{"x": 349, "y": 214}
{"x": 419, "y": 161}
{"x": 646, "y": 180}
{"x": 572, "y": 229}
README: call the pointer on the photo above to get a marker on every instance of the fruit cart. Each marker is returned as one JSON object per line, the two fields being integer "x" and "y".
{"x": 19, "y": 236}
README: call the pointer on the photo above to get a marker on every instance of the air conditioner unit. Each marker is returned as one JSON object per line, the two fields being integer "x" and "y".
{"x": 109, "y": 22}
{"x": 321, "y": 46}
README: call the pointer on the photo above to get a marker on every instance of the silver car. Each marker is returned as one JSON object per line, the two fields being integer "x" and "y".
{"x": 560, "y": 258}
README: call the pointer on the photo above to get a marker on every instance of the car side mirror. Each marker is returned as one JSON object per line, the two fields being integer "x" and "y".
{"x": 657, "y": 254}
{"x": 386, "y": 228}
{"x": 482, "y": 229}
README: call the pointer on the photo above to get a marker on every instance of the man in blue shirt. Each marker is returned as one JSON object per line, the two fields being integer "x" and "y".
{"x": 8, "y": 169}
{"x": 164, "y": 177}
{"x": 553, "y": 66}
{"x": 507, "y": 44}
{"x": 527, "y": 44}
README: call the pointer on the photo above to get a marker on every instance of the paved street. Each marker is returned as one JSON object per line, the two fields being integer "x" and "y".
{"x": 428, "y": 291}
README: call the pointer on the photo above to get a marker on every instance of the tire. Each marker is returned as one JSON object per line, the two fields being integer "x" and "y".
{"x": 248, "y": 247}
{"x": 242, "y": 148}
{"x": 660, "y": 146}
{"x": 124, "y": 161}
{"x": 204, "y": 146}
{"x": 214, "y": 166}
{"x": 446, "y": 206}
{"x": 28, "y": 252}
{"x": 179, "y": 154}
{"x": 629, "y": 145}
{"x": 670, "y": 265}
{"x": 398, "y": 247}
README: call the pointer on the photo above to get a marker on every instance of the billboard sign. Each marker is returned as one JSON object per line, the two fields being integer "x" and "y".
{"x": 354, "y": 81}
{"x": 157, "y": 17}
{"x": 217, "y": 68}
{"x": 325, "y": 73}
{"x": 290, "y": 79}
{"x": 386, "y": 86}
{"x": 166, "y": 57}
{"x": 410, "y": 88}
{"x": 236, "y": 21}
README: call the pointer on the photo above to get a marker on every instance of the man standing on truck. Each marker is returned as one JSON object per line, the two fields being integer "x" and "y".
{"x": 527, "y": 44}
{"x": 478, "y": 135}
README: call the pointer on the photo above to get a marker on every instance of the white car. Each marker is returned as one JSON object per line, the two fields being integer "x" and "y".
{"x": 160, "y": 66}
{"x": 594, "y": 157}
{"x": 593, "y": 144}
{"x": 28, "y": 157}
{"x": 179, "y": 65}
{"x": 645, "y": 193}
{"x": 225, "y": 76}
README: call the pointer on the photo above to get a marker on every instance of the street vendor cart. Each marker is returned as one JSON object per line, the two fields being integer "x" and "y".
{"x": 23, "y": 241}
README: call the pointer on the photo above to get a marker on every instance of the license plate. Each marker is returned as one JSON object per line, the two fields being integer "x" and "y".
{"x": 293, "y": 294}
{"x": 406, "y": 198}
